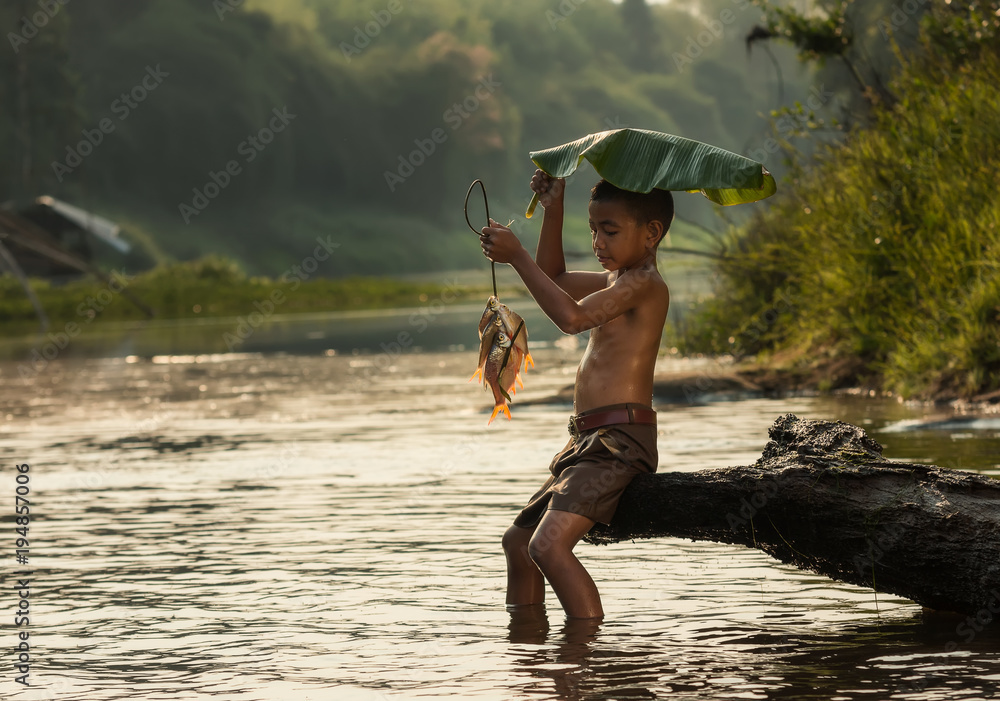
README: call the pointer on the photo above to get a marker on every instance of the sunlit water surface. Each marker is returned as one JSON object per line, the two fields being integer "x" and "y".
{"x": 311, "y": 527}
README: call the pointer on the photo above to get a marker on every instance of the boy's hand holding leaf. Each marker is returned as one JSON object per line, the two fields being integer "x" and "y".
{"x": 549, "y": 190}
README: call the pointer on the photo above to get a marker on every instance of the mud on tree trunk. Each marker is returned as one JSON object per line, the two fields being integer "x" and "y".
{"x": 824, "y": 499}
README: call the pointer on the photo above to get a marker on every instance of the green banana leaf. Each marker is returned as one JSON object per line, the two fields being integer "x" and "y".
{"x": 640, "y": 160}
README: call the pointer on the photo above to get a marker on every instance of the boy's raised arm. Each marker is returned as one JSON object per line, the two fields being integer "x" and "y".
{"x": 571, "y": 314}
{"x": 549, "y": 253}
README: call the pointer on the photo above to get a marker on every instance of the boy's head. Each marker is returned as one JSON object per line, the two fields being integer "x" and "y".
{"x": 654, "y": 206}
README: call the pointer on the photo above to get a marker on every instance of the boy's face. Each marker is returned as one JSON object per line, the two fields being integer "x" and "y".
{"x": 618, "y": 239}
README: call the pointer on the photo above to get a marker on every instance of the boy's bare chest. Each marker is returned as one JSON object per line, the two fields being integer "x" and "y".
{"x": 613, "y": 342}
{"x": 614, "y": 363}
{"x": 614, "y": 331}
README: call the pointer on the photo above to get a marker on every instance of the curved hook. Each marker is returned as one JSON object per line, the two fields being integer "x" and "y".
{"x": 486, "y": 203}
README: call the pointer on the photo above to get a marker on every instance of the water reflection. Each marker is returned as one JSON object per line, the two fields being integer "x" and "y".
{"x": 574, "y": 662}
{"x": 371, "y": 331}
{"x": 262, "y": 527}
{"x": 901, "y": 657}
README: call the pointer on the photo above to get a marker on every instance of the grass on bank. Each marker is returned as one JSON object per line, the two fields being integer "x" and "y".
{"x": 213, "y": 287}
{"x": 878, "y": 263}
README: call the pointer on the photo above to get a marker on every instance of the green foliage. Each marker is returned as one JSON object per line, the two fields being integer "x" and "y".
{"x": 367, "y": 90}
{"x": 866, "y": 39}
{"x": 41, "y": 91}
{"x": 884, "y": 251}
{"x": 821, "y": 34}
{"x": 207, "y": 287}
{"x": 964, "y": 30}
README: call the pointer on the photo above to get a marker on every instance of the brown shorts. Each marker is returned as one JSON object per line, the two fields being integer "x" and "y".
{"x": 591, "y": 472}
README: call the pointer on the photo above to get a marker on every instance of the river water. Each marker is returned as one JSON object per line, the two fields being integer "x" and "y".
{"x": 326, "y": 524}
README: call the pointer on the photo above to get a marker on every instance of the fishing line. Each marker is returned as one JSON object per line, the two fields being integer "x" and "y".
{"x": 506, "y": 357}
{"x": 486, "y": 203}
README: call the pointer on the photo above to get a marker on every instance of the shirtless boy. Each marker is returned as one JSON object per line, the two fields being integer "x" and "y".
{"x": 613, "y": 430}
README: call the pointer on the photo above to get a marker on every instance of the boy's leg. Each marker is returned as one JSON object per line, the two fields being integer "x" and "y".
{"x": 551, "y": 548}
{"x": 528, "y": 624}
{"x": 525, "y": 584}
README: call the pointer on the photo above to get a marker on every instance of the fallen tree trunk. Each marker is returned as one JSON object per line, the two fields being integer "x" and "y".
{"x": 824, "y": 499}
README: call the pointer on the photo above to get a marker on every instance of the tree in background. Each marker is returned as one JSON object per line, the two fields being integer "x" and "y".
{"x": 396, "y": 109}
{"x": 641, "y": 26}
{"x": 877, "y": 262}
{"x": 38, "y": 80}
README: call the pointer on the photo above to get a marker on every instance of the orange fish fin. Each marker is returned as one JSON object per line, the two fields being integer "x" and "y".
{"x": 478, "y": 374}
{"x": 496, "y": 411}
{"x": 519, "y": 380}
{"x": 528, "y": 361}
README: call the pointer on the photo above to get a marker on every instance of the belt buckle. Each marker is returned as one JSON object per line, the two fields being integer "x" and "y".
{"x": 573, "y": 430}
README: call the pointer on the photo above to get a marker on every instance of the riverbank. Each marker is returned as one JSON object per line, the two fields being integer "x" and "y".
{"x": 845, "y": 281}
{"x": 210, "y": 306}
{"x": 698, "y": 380}
{"x": 215, "y": 288}
{"x": 776, "y": 379}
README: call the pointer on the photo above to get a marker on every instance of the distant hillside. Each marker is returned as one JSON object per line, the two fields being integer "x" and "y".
{"x": 249, "y": 129}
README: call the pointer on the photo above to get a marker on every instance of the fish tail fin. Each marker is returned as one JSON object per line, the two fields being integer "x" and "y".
{"x": 513, "y": 384}
{"x": 496, "y": 411}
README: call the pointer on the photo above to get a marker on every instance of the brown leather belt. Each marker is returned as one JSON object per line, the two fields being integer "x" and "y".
{"x": 623, "y": 415}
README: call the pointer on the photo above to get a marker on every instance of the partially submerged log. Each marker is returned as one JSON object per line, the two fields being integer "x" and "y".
{"x": 824, "y": 499}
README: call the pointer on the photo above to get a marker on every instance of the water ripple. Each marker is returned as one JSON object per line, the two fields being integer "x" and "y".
{"x": 314, "y": 543}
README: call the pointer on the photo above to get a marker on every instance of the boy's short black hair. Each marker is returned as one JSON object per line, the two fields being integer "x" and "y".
{"x": 656, "y": 205}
